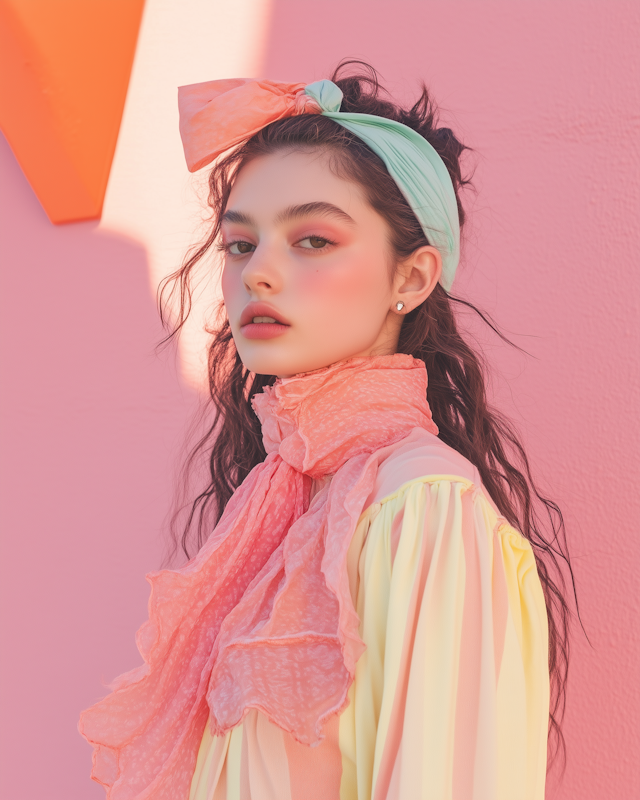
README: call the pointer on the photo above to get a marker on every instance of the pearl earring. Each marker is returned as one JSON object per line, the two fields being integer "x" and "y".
{"x": 400, "y": 305}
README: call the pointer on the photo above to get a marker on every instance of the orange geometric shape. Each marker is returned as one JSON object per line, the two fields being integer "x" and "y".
{"x": 64, "y": 73}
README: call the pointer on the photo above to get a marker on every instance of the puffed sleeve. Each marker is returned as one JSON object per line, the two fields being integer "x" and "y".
{"x": 451, "y": 698}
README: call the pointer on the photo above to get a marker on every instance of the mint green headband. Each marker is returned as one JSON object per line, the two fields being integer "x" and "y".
{"x": 414, "y": 165}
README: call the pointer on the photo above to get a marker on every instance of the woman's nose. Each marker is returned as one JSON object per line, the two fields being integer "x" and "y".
{"x": 261, "y": 272}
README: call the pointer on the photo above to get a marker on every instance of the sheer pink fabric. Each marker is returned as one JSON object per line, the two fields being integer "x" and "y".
{"x": 262, "y": 617}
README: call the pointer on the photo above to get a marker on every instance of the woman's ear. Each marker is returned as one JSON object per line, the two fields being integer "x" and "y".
{"x": 417, "y": 277}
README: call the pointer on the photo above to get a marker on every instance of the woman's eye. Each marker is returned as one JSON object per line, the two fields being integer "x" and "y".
{"x": 241, "y": 248}
{"x": 315, "y": 243}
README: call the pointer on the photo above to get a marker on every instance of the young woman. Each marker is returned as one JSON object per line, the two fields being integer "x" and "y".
{"x": 378, "y": 611}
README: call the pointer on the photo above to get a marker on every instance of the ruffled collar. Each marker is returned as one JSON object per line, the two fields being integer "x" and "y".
{"x": 318, "y": 420}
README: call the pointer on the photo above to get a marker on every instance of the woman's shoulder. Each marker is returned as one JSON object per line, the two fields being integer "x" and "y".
{"x": 424, "y": 459}
{"x": 420, "y": 456}
{"x": 424, "y": 463}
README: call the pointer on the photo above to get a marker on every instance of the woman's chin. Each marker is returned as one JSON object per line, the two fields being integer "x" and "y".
{"x": 273, "y": 357}
{"x": 283, "y": 367}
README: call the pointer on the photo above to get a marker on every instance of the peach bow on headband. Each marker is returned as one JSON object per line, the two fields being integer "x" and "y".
{"x": 217, "y": 115}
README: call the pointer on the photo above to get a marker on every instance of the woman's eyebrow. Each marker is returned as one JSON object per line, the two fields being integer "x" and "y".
{"x": 317, "y": 209}
{"x": 239, "y": 218}
{"x": 291, "y": 213}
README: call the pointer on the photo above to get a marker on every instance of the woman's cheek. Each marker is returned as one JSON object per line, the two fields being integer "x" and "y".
{"x": 337, "y": 278}
{"x": 232, "y": 288}
{"x": 224, "y": 285}
{"x": 338, "y": 305}
{"x": 325, "y": 297}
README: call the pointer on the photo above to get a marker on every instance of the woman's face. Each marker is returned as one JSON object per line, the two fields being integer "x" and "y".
{"x": 307, "y": 277}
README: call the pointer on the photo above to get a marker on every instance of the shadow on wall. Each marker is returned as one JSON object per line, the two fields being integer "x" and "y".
{"x": 91, "y": 419}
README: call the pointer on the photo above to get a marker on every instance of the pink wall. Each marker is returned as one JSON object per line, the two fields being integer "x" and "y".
{"x": 92, "y": 419}
{"x": 90, "y": 423}
{"x": 547, "y": 93}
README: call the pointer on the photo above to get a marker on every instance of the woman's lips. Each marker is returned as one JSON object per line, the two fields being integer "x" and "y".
{"x": 263, "y": 330}
{"x": 262, "y": 321}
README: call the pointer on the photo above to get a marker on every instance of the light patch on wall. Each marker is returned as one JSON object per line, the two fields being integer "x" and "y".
{"x": 150, "y": 196}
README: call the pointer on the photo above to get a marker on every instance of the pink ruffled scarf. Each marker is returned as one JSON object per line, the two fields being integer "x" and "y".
{"x": 262, "y": 617}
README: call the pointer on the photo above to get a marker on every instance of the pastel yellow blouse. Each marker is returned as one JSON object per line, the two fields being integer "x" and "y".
{"x": 450, "y": 699}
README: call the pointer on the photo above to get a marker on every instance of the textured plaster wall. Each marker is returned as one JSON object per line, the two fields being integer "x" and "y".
{"x": 547, "y": 94}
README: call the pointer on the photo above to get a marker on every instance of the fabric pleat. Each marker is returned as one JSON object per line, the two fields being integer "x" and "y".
{"x": 451, "y": 697}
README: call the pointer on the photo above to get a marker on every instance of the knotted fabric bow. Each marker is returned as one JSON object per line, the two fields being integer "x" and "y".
{"x": 263, "y": 616}
{"x": 217, "y": 115}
